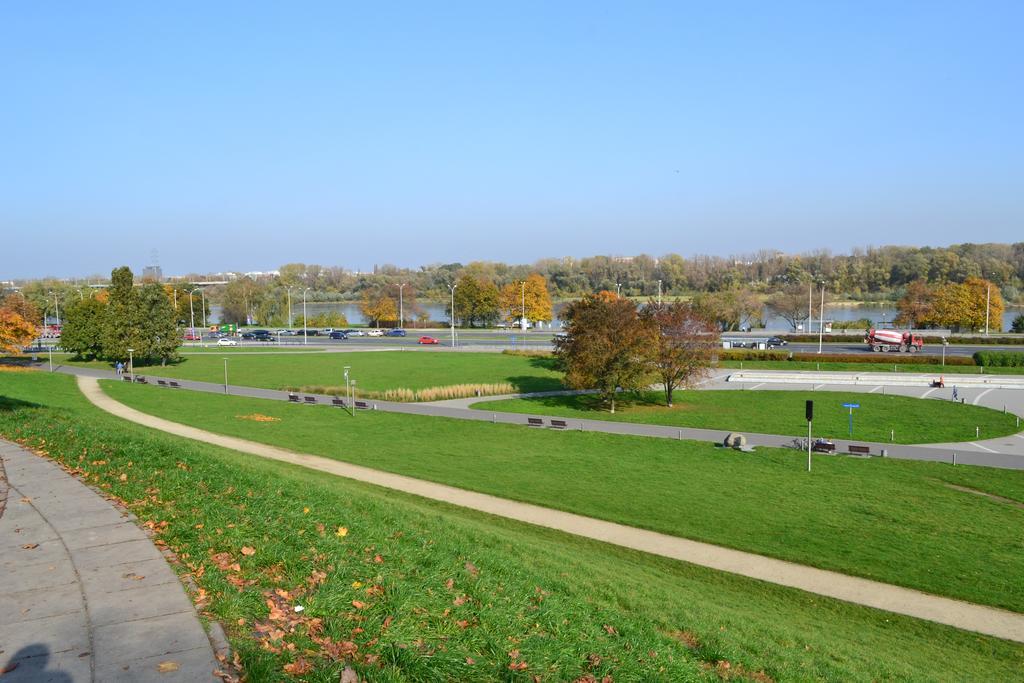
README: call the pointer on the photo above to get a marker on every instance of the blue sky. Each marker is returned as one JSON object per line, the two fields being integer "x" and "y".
{"x": 245, "y": 135}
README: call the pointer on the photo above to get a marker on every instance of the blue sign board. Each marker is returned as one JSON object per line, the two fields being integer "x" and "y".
{"x": 851, "y": 405}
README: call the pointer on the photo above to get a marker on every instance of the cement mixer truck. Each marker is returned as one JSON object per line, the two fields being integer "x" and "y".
{"x": 893, "y": 340}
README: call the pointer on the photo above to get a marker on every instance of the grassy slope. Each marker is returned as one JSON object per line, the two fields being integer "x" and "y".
{"x": 374, "y": 371}
{"x": 782, "y": 412}
{"x": 887, "y": 520}
{"x": 550, "y": 596}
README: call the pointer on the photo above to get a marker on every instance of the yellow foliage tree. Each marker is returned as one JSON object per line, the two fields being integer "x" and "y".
{"x": 533, "y": 292}
{"x": 378, "y": 308}
{"x": 963, "y": 306}
{"x": 15, "y": 332}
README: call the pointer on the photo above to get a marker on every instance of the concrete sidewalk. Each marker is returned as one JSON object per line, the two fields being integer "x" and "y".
{"x": 84, "y": 593}
{"x": 964, "y": 615}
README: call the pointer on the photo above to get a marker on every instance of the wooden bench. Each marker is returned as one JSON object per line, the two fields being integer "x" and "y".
{"x": 161, "y": 383}
{"x": 859, "y": 450}
{"x": 293, "y": 398}
{"x": 310, "y": 400}
{"x": 126, "y": 378}
{"x": 173, "y": 385}
{"x": 823, "y": 447}
{"x": 140, "y": 379}
{"x": 559, "y": 424}
{"x": 535, "y": 422}
{"x": 339, "y": 402}
{"x": 362, "y": 405}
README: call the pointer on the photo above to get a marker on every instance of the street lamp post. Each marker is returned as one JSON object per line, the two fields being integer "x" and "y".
{"x": 225, "y": 375}
{"x": 50, "y": 349}
{"x": 945, "y": 343}
{"x": 348, "y": 393}
{"x": 289, "y": 289}
{"x": 988, "y": 299}
{"x": 192, "y": 312}
{"x": 202, "y": 293}
{"x": 522, "y": 318}
{"x": 131, "y": 364}
{"x": 401, "y": 305}
{"x": 305, "y": 338}
{"x": 452, "y": 288}
{"x": 353, "y": 404}
{"x": 618, "y": 288}
{"x": 821, "y": 317}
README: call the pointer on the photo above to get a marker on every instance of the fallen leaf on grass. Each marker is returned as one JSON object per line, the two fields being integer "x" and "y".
{"x": 299, "y": 667}
{"x": 358, "y": 605}
{"x": 342, "y": 532}
{"x": 167, "y": 667}
{"x": 472, "y": 569}
{"x": 349, "y": 675}
{"x": 470, "y": 661}
{"x": 610, "y": 630}
{"x": 123, "y": 477}
{"x": 247, "y": 551}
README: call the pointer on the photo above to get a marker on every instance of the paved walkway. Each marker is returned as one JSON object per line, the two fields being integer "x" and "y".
{"x": 965, "y": 454}
{"x": 987, "y": 620}
{"x": 84, "y": 593}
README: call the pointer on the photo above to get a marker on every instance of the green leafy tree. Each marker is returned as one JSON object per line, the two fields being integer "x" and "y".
{"x": 1018, "y": 324}
{"x": 121, "y": 320}
{"x": 606, "y": 347}
{"x": 476, "y": 301}
{"x": 328, "y": 319}
{"x": 158, "y": 336}
{"x": 683, "y": 342}
{"x": 82, "y": 332}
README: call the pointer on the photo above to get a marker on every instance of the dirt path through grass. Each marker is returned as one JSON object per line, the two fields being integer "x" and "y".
{"x": 964, "y": 615}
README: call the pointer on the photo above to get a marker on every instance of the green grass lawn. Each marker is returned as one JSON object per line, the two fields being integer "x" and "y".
{"x": 373, "y": 371}
{"x": 448, "y": 594}
{"x": 911, "y": 420}
{"x": 890, "y": 520}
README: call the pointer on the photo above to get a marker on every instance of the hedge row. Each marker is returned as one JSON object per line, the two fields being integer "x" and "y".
{"x": 879, "y": 358}
{"x": 1000, "y": 359}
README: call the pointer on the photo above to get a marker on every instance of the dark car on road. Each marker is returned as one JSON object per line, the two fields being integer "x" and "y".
{"x": 775, "y": 341}
{"x": 262, "y": 335}
{"x": 338, "y": 334}
{"x": 396, "y": 333}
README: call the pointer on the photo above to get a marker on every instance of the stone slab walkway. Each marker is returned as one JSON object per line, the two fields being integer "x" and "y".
{"x": 84, "y": 593}
{"x": 964, "y": 615}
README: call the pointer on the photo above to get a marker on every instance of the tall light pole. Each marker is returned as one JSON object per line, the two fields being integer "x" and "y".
{"x": 618, "y": 288}
{"x": 401, "y": 305}
{"x": 202, "y": 293}
{"x": 56, "y": 306}
{"x": 810, "y": 315}
{"x": 289, "y": 289}
{"x": 305, "y": 339}
{"x": 988, "y": 299}
{"x": 192, "y": 312}
{"x": 131, "y": 364}
{"x": 225, "y": 375}
{"x": 821, "y": 316}
{"x": 522, "y": 318}
{"x": 348, "y": 393}
{"x": 452, "y": 288}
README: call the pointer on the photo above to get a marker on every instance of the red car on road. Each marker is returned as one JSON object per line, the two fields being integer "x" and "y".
{"x": 429, "y": 340}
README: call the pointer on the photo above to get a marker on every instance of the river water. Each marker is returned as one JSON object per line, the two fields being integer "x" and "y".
{"x": 437, "y": 312}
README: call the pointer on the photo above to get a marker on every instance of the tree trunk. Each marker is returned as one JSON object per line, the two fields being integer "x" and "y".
{"x": 668, "y": 393}
{"x": 613, "y": 405}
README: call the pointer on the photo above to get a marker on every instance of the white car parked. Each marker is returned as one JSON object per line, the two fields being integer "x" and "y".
{"x": 227, "y": 341}
{"x": 375, "y": 333}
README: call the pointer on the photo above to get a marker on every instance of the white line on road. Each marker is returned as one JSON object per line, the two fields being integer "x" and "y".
{"x": 982, "y": 447}
{"x": 875, "y": 389}
{"x": 978, "y": 397}
{"x": 757, "y": 385}
{"x": 925, "y": 394}
{"x": 818, "y": 387}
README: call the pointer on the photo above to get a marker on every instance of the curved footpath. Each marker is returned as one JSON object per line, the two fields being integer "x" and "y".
{"x": 84, "y": 593}
{"x": 964, "y": 615}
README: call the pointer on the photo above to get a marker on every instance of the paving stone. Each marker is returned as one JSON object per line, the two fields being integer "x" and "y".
{"x": 71, "y": 522}
{"x": 46, "y": 667}
{"x": 31, "y": 577}
{"x": 46, "y": 552}
{"x": 104, "y": 535}
{"x": 115, "y": 554}
{"x": 123, "y": 643}
{"x": 128, "y": 576}
{"x": 59, "y": 633}
{"x": 24, "y": 606}
{"x": 138, "y": 603}
{"x": 193, "y": 665}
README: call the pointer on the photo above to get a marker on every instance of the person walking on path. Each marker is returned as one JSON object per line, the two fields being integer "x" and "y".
{"x": 119, "y": 368}
{"x": 955, "y": 395}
